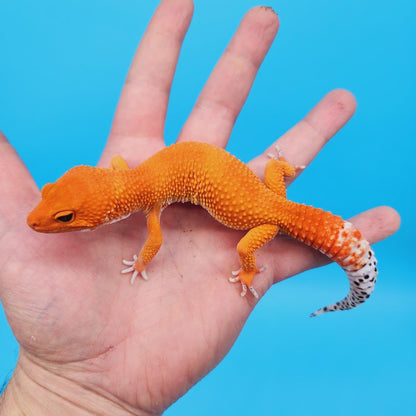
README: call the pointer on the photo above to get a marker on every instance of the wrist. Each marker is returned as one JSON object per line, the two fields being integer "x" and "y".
{"x": 34, "y": 390}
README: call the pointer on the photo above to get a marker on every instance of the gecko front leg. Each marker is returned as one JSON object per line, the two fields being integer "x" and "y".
{"x": 150, "y": 248}
{"x": 118, "y": 163}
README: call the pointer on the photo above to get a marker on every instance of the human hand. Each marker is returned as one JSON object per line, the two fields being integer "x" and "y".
{"x": 91, "y": 342}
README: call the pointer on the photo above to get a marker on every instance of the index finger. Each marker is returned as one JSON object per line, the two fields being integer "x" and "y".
{"x": 143, "y": 103}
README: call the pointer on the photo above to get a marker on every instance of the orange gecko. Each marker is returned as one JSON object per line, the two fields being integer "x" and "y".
{"x": 86, "y": 197}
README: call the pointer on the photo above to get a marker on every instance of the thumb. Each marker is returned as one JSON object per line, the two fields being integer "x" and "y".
{"x": 18, "y": 191}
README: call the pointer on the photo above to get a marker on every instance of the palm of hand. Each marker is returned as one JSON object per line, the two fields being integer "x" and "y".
{"x": 72, "y": 311}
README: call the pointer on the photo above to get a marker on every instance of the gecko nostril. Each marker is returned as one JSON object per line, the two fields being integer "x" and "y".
{"x": 32, "y": 223}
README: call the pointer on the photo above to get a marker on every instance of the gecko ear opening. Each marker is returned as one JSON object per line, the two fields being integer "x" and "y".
{"x": 65, "y": 216}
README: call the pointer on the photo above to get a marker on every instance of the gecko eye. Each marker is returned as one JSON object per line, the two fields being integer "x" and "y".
{"x": 64, "y": 216}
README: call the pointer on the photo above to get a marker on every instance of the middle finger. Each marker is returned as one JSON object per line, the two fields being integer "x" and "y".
{"x": 217, "y": 107}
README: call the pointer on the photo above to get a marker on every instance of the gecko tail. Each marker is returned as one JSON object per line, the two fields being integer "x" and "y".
{"x": 360, "y": 266}
{"x": 341, "y": 242}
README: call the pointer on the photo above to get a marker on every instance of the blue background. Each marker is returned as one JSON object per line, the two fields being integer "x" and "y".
{"x": 62, "y": 68}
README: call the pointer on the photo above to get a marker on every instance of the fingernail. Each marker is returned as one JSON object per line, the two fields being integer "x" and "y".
{"x": 269, "y": 8}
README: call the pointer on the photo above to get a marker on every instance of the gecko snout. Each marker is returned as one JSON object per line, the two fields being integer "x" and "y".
{"x": 32, "y": 223}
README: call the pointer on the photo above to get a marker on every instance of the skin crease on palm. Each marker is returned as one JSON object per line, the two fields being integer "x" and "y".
{"x": 90, "y": 343}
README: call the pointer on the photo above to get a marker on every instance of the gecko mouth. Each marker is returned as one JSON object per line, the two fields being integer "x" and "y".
{"x": 58, "y": 229}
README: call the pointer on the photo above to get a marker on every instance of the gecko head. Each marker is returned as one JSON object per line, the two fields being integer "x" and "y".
{"x": 79, "y": 200}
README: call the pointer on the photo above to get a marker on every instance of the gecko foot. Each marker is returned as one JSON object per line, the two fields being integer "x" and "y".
{"x": 132, "y": 269}
{"x": 280, "y": 157}
{"x": 278, "y": 151}
{"x": 240, "y": 276}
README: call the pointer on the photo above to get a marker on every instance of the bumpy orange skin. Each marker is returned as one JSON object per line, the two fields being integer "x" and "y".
{"x": 204, "y": 175}
{"x": 87, "y": 197}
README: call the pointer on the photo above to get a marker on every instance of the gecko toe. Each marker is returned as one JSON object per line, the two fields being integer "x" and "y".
{"x": 128, "y": 270}
{"x": 144, "y": 275}
{"x": 244, "y": 291}
{"x": 278, "y": 151}
{"x": 130, "y": 262}
{"x": 254, "y": 292}
{"x": 133, "y": 278}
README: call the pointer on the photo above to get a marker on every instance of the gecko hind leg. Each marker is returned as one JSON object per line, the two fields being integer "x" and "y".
{"x": 280, "y": 157}
{"x": 276, "y": 170}
{"x": 253, "y": 240}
